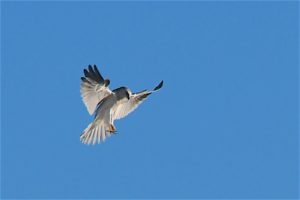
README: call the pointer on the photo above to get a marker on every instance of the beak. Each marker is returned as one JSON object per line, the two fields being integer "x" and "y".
{"x": 106, "y": 82}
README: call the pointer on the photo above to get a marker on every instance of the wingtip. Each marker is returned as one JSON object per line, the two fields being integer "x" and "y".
{"x": 90, "y": 68}
{"x": 92, "y": 72}
{"x": 83, "y": 79}
{"x": 159, "y": 86}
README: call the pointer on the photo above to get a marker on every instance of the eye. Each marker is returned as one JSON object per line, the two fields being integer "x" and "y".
{"x": 127, "y": 95}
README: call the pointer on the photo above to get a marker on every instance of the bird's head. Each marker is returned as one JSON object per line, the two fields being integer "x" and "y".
{"x": 122, "y": 93}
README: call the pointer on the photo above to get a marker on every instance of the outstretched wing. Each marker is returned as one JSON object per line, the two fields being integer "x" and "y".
{"x": 125, "y": 107}
{"x": 93, "y": 88}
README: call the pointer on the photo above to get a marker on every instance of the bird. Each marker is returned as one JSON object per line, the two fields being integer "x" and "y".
{"x": 107, "y": 105}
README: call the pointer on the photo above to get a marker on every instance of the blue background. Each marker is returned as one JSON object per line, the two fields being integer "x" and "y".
{"x": 225, "y": 125}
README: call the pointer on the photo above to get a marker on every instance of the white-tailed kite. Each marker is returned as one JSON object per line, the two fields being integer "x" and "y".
{"x": 106, "y": 104}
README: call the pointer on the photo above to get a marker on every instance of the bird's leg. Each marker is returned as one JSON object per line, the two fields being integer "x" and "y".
{"x": 112, "y": 129}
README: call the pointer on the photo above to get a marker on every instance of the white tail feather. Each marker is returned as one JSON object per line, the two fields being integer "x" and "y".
{"x": 94, "y": 133}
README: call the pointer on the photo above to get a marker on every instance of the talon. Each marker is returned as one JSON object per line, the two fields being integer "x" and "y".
{"x": 112, "y": 129}
{"x": 112, "y": 132}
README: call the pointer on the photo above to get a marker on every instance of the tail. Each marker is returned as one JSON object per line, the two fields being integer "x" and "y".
{"x": 94, "y": 133}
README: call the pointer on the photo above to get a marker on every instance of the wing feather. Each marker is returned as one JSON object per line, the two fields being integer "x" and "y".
{"x": 124, "y": 107}
{"x": 127, "y": 106}
{"x": 93, "y": 88}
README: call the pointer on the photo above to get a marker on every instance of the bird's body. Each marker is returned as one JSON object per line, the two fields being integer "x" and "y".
{"x": 107, "y": 105}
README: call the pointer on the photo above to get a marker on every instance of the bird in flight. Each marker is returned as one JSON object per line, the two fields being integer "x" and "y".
{"x": 107, "y": 105}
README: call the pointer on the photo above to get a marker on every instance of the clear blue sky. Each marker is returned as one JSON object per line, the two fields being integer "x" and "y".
{"x": 225, "y": 124}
